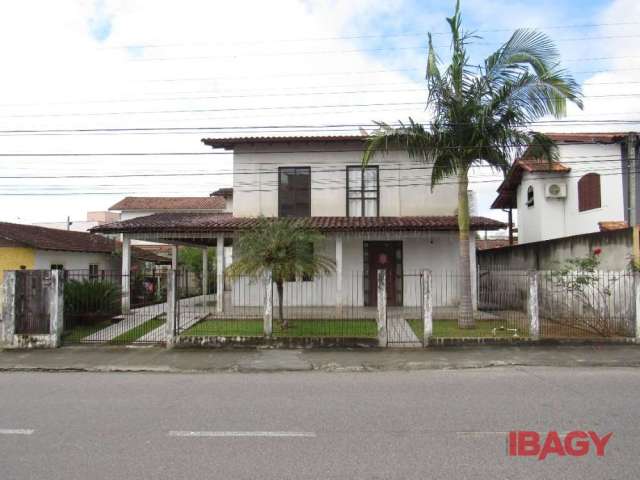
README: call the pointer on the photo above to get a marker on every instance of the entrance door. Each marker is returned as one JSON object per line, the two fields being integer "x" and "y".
{"x": 383, "y": 256}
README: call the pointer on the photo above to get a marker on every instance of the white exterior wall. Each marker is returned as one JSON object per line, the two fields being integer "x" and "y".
{"x": 554, "y": 218}
{"x": 436, "y": 251}
{"x": 75, "y": 260}
{"x": 256, "y": 180}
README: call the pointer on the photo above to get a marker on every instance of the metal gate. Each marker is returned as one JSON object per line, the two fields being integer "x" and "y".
{"x": 405, "y": 323}
{"x": 32, "y": 301}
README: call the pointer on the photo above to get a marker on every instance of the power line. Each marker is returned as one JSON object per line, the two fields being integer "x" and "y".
{"x": 353, "y": 37}
{"x": 350, "y": 51}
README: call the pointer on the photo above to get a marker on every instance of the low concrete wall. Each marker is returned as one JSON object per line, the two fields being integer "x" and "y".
{"x": 617, "y": 248}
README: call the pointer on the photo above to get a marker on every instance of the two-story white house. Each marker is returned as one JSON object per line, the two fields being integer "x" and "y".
{"x": 385, "y": 216}
{"x": 594, "y": 183}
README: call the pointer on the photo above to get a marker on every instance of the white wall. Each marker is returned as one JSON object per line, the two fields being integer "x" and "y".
{"x": 75, "y": 260}
{"x": 436, "y": 251}
{"x": 554, "y": 218}
{"x": 256, "y": 180}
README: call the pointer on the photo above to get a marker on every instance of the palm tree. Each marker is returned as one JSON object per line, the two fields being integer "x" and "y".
{"x": 481, "y": 114}
{"x": 283, "y": 246}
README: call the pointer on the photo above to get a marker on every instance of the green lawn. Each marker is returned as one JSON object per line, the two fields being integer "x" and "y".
{"x": 81, "y": 331}
{"x": 139, "y": 331}
{"x": 364, "y": 328}
{"x": 483, "y": 328}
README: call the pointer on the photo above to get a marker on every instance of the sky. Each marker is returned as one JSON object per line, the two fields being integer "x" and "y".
{"x": 190, "y": 69}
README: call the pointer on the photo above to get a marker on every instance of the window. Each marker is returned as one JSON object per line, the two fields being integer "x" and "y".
{"x": 93, "y": 270}
{"x": 530, "y": 196}
{"x": 589, "y": 192}
{"x": 57, "y": 266}
{"x": 363, "y": 191}
{"x": 294, "y": 192}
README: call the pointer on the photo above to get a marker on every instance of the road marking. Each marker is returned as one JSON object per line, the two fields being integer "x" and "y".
{"x": 15, "y": 431}
{"x": 178, "y": 433}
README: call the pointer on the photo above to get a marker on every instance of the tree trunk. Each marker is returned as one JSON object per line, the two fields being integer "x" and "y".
{"x": 465, "y": 310}
{"x": 280, "y": 290}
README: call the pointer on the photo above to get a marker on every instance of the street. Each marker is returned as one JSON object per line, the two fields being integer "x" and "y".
{"x": 306, "y": 425}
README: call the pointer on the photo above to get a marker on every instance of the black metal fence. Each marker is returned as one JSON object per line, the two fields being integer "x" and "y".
{"x": 95, "y": 312}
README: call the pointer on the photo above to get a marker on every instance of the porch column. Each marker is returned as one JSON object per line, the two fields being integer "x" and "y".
{"x": 220, "y": 273}
{"x": 339, "y": 295}
{"x": 205, "y": 274}
{"x": 126, "y": 273}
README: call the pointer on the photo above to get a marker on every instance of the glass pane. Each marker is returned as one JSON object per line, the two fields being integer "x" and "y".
{"x": 355, "y": 208}
{"x": 370, "y": 208}
{"x": 371, "y": 194}
{"x": 355, "y": 178}
{"x": 371, "y": 178}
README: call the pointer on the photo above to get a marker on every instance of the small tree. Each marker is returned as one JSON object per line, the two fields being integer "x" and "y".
{"x": 283, "y": 246}
{"x": 191, "y": 259}
{"x": 580, "y": 280}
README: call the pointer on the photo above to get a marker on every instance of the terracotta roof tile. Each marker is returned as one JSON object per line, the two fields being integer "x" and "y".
{"x": 201, "y": 222}
{"x": 230, "y": 142}
{"x": 42, "y": 238}
{"x": 170, "y": 203}
{"x": 612, "y": 225}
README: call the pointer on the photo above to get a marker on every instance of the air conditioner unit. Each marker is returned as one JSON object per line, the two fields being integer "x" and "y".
{"x": 555, "y": 190}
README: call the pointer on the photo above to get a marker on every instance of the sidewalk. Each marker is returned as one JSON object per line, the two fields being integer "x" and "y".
{"x": 156, "y": 359}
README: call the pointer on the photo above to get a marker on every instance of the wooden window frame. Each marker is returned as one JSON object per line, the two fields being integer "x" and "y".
{"x": 589, "y": 192}
{"x": 281, "y": 170}
{"x": 362, "y": 190}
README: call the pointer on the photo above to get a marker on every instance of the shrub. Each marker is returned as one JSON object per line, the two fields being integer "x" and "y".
{"x": 89, "y": 301}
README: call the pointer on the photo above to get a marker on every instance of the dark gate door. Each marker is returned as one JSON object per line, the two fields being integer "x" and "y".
{"x": 383, "y": 256}
{"x": 32, "y": 301}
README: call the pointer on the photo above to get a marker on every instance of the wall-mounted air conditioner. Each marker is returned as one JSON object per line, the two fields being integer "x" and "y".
{"x": 555, "y": 190}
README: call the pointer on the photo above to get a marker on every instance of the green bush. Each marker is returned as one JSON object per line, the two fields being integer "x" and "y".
{"x": 89, "y": 301}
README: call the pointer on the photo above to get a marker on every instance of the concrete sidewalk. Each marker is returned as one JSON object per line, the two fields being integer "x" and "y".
{"x": 156, "y": 359}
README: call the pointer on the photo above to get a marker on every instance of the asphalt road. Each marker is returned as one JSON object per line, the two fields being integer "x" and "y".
{"x": 401, "y": 425}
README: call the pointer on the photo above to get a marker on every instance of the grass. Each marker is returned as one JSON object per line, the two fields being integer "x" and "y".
{"x": 483, "y": 328}
{"x": 140, "y": 331}
{"x": 362, "y": 328}
{"x": 81, "y": 331}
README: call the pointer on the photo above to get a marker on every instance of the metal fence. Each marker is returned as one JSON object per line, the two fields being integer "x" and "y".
{"x": 94, "y": 310}
{"x": 586, "y": 304}
{"x": 573, "y": 304}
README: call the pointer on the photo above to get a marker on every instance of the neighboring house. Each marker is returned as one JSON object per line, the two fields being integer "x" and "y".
{"x": 595, "y": 184}
{"x": 134, "y": 207}
{"x": 386, "y": 216}
{"x": 30, "y": 247}
{"x": 93, "y": 219}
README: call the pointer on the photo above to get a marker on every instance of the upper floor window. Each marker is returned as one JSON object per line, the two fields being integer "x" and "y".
{"x": 294, "y": 191}
{"x": 530, "y": 200}
{"x": 363, "y": 191}
{"x": 589, "y": 192}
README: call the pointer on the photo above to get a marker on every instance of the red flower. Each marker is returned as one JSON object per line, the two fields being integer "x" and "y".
{"x": 597, "y": 251}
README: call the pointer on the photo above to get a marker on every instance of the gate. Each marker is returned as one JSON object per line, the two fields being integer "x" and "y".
{"x": 32, "y": 301}
{"x": 405, "y": 322}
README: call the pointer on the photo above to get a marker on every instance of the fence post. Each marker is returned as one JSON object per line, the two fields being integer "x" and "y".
{"x": 427, "y": 307}
{"x": 532, "y": 306}
{"x": 56, "y": 308}
{"x": 8, "y": 306}
{"x": 636, "y": 288}
{"x": 172, "y": 295}
{"x": 382, "y": 308}
{"x": 267, "y": 320}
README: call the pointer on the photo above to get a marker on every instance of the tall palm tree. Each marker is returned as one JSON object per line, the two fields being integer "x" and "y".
{"x": 284, "y": 246}
{"x": 482, "y": 114}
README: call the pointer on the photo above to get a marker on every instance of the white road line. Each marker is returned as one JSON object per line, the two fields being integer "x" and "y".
{"x": 178, "y": 433}
{"x": 15, "y": 431}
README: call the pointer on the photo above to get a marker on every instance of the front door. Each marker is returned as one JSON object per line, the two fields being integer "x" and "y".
{"x": 383, "y": 256}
